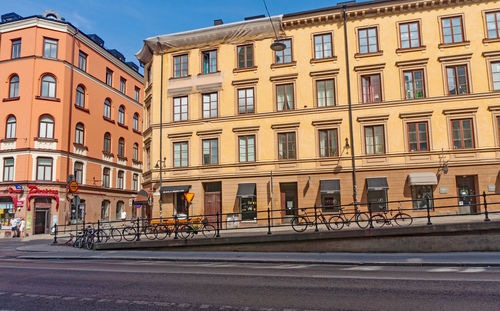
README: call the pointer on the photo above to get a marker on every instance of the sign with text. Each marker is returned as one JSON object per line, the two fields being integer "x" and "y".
{"x": 73, "y": 186}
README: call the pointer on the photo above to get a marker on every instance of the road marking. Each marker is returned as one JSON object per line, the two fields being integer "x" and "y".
{"x": 69, "y": 298}
{"x": 16, "y": 294}
{"x": 473, "y": 270}
{"x": 445, "y": 269}
{"x": 364, "y": 268}
{"x": 122, "y": 301}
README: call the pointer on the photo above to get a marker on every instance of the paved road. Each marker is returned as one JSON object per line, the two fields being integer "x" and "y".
{"x": 149, "y": 285}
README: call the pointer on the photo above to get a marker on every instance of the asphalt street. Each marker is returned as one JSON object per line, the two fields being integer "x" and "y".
{"x": 152, "y": 285}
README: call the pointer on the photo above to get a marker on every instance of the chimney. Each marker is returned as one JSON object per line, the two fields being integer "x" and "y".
{"x": 218, "y": 22}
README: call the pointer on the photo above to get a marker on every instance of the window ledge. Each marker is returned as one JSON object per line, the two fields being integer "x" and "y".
{"x": 137, "y": 162}
{"x": 49, "y": 140}
{"x": 323, "y": 60}
{"x": 361, "y": 55}
{"x": 109, "y": 120}
{"x": 491, "y": 40}
{"x": 7, "y": 140}
{"x": 180, "y": 78}
{"x": 406, "y": 50}
{"x": 451, "y": 45}
{"x": 121, "y": 158}
{"x": 208, "y": 73}
{"x": 80, "y": 146}
{"x": 53, "y": 99}
{"x": 246, "y": 69}
{"x": 82, "y": 109}
{"x": 108, "y": 154}
{"x": 123, "y": 125}
{"x": 137, "y": 132}
{"x": 290, "y": 64}
{"x": 10, "y": 99}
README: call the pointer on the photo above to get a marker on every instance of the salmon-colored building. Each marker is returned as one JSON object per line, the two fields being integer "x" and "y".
{"x": 71, "y": 109}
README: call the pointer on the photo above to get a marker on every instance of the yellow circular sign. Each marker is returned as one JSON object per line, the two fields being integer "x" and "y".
{"x": 73, "y": 186}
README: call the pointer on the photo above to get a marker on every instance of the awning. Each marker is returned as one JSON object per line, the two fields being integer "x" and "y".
{"x": 175, "y": 189}
{"x": 246, "y": 191}
{"x": 377, "y": 183}
{"x": 142, "y": 198}
{"x": 422, "y": 179}
{"x": 329, "y": 186}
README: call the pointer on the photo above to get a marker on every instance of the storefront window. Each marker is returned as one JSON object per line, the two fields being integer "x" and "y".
{"x": 330, "y": 201}
{"x": 420, "y": 194}
{"x": 248, "y": 208}
{"x": 6, "y": 211}
{"x": 377, "y": 199}
{"x": 181, "y": 205}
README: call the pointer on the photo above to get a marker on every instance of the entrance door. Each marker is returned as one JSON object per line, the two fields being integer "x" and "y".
{"x": 466, "y": 187}
{"x": 289, "y": 205}
{"x": 41, "y": 221}
{"x": 212, "y": 201}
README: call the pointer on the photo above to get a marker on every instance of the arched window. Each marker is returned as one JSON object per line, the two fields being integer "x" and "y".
{"x": 107, "y": 108}
{"x": 107, "y": 143}
{"x": 105, "y": 210}
{"x": 121, "y": 147}
{"x": 136, "y": 122}
{"x": 79, "y": 134}
{"x": 80, "y": 96}
{"x": 105, "y": 177}
{"x": 119, "y": 208}
{"x": 119, "y": 180}
{"x": 135, "y": 153}
{"x": 14, "y": 87}
{"x": 10, "y": 129}
{"x": 48, "y": 86}
{"x": 46, "y": 129}
{"x": 121, "y": 115}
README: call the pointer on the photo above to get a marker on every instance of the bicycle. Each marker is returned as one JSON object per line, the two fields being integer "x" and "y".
{"x": 400, "y": 218}
{"x": 301, "y": 222}
{"x": 130, "y": 232}
{"x": 337, "y": 222}
{"x": 189, "y": 230}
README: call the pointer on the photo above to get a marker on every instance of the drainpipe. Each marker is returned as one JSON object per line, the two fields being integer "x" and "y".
{"x": 351, "y": 134}
{"x": 161, "y": 122}
{"x": 70, "y": 118}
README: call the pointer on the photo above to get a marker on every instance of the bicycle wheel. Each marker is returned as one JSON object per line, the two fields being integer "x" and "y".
{"x": 116, "y": 235}
{"x": 299, "y": 223}
{"x": 403, "y": 219}
{"x": 129, "y": 234}
{"x": 89, "y": 243}
{"x": 336, "y": 222}
{"x": 363, "y": 220}
{"x": 208, "y": 231}
{"x": 186, "y": 231}
{"x": 101, "y": 236}
{"x": 150, "y": 232}
{"x": 162, "y": 232}
{"x": 378, "y": 221}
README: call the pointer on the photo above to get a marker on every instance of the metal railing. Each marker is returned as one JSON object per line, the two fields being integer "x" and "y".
{"x": 364, "y": 216}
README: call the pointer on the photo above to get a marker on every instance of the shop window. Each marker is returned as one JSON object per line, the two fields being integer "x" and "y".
{"x": 7, "y": 211}
{"x": 248, "y": 208}
{"x": 181, "y": 108}
{"x": 77, "y": 212}
{"x": 245, "y": 56}
{"x": 8, "y": 169}
{"x": 285, "y": 56}
{"x": 330, "y": 201}
{"x": 181, "y": 205}
{"x": 209, "y": 59}
{"x": 377, "y": 199}
{"x": 105, "y": 210}
{"x": 420, "y": 194}
{"x": 119, "y": 209}
{"x": 180, "y": 66}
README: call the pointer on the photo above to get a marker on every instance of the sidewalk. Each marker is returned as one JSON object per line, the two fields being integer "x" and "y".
{"x": 44, "y": 251}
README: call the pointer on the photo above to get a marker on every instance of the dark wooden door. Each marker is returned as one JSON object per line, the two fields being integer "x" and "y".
{"x": 40, "y": 221}
{"x": 212, "y": 205}
{"x": 466, "y": 188}
{"x": 289, "y": 204}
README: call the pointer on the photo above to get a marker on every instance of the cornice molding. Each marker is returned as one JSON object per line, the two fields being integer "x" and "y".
{"x": 413, "y": 62}
{"x": 246, "y": 129}
{"x": 291, "y": 76}
{"x": 418, "y": 114}
{"x": 285, "y": 125}
{"x": 369, "y": 67}
{"x": 326, "y": 122}
{"x": 381, "y": 117}
{"x": 245, "y": 81}
{"x": 453, "y": 58}
{"x": 209, "y": 132}
{"x": 320, "y": 73}
{"x": 460, "y": 110}
{"x": 180, "y": 135}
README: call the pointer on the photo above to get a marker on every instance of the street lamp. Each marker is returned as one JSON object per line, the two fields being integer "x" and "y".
{"x": 277, "y": 45}
{"x": 161, "y": 162}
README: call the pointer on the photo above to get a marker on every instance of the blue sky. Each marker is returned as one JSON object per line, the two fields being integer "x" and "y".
{"x": 123, "y": 24}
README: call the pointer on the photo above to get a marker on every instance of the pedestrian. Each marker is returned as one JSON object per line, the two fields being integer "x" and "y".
{"x": 22, "y": 226}
{"x": 124, "y": 217}
{"x": 13, "y": 226}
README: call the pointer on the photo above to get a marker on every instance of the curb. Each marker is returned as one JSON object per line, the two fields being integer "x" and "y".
{"x": 276, "y": 261}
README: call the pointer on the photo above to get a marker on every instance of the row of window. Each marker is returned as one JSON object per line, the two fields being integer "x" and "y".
{"x": 462, "y": 132}
{"x": 44, "y": 173}
{"x": 46, "y": 131}
{"x": 48, "y": 90}
{"x": 118, "y": 211}
{"x": 452, "y": 32}
{"x": 50, "y": 51}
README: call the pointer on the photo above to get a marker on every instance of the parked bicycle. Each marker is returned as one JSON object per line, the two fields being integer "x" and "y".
{"x": 400, "y": 218}
{"x": 337, "y": 222}
{"x": 301, "y": 222}
{"x": 129, "y": 233}
{"x": 190, "y": 229}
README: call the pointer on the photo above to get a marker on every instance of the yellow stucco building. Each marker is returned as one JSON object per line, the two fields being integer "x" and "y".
{"x": 424, "y": 85}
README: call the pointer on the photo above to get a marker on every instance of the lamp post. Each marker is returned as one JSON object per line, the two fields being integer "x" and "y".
{"x": 161, "y": 120}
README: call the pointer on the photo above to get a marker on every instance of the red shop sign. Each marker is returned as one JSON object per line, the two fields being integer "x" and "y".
{"x": 34, "y": 190}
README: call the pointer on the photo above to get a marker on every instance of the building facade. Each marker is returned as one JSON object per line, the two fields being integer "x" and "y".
{"x": 70, "y": 110}
{"x": 246, "y": 128}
